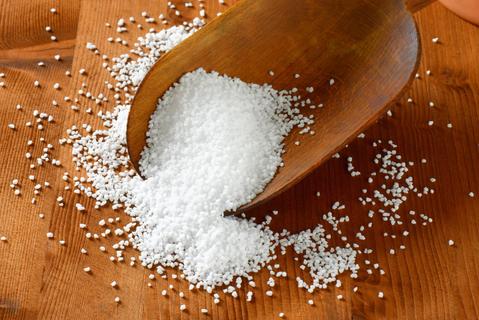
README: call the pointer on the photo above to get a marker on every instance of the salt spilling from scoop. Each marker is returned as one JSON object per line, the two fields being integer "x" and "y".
{"x": 200, "y": 117}
{"x": 214, "y": 144}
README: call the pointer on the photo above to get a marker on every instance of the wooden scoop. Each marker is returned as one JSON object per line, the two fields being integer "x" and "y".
{"x": 369, "y": 47}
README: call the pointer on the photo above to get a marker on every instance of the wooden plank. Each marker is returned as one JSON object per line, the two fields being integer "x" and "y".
{"x": 24, "y": 42}
{"x": 429, "y": 280}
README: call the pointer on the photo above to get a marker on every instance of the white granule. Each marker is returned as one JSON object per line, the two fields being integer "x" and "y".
{"x": 235, "y": 130}
{"x": 130, "y": 71}
{"x": 212, "y": 119}
{"x": 90, "y": 46}
{"x": 214, "y": 143}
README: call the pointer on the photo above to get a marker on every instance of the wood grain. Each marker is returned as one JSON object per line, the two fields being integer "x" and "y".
{"x": 415, "y": 5}
{"x": 429, "y": 280}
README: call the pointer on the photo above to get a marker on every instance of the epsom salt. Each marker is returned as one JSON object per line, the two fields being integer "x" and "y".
{"x": 235, "y": 130}
{"x": 214, "y": 143}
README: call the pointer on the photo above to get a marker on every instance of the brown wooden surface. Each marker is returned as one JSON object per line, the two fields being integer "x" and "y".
{"x": 365, "y": 46}
{"x": 429, "y": 280}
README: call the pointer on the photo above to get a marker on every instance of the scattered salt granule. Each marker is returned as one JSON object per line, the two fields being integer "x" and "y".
{"x": 209, "y": 119}
{"x": 450, "y": 242}
{"x": 150, "y": 48}
{"x": 257, "y": 117}
{"x": 90, "y": 46}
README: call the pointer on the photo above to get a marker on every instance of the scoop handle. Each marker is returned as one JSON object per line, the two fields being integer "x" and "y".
{"x": 416, "y": 5}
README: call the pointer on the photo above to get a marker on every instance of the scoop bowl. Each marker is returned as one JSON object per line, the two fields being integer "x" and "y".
{"x": 370, "y": 48}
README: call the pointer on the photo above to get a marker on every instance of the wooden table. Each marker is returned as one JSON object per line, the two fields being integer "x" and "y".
{"x": 39, "y": 279}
